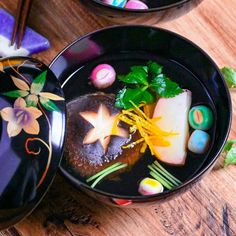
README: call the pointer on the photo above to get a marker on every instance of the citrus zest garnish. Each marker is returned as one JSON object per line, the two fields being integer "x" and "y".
{"x": 151, "y": 134}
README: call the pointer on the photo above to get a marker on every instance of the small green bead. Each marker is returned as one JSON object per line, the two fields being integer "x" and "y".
{"x": 200, "y": 117}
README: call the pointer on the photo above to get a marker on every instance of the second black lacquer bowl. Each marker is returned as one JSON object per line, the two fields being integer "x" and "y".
{"x": 183, "y": 61}
{"x": 158, "y": 11}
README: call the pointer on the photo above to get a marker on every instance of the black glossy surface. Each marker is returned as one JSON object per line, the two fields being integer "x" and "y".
{"x": 163, "y": 10}
{"x": 184, "y": 62}
{"x": 24, "y": 176}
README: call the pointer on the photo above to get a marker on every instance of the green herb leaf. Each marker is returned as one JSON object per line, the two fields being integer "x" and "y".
{"x": 138, "y": 75}
{"x": 137, "y": 96}
{"x": 230, "y": 76}
{"x": 154, "y": 68}
{"x": 119, "y": 98}
{"x": 38, "y": 83}
{"x": 16, "y": 93}
{"x": 144, "y": 83}
{"x": 48, "y": 104}
{"x": 230, "y": 158}
{"x": 165, "y": 87}
{"x": 139, "y": 69}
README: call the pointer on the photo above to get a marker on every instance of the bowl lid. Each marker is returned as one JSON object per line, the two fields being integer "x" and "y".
{"x": 32, "y": 130}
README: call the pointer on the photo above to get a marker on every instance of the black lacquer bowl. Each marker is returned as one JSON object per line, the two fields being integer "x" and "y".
{"x": 32, "y": 127}
{"x": 163, "y": 10}
{"x": 183, "y": 61}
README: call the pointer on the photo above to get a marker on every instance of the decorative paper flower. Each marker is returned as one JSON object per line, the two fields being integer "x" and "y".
{"x": 33, "y": 93}
{"x": 21, "y": 117}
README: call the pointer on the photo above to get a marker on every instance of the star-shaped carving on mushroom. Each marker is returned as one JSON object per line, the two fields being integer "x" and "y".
{"x": 104, "y": 126}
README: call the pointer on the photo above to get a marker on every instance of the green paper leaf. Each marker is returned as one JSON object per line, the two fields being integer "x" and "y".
{"x": 230, "y": 76}
{"x": 165, "y": 87}
{"x": 48, "y": 104}
{"x": 16, "y": 93}
{"x": 137, "y": 96}
{"x": 230, "y": 151}
{"x": 229, "y": 144}
{"x": 230, "y": 158}
{"x": 38, "y": 83}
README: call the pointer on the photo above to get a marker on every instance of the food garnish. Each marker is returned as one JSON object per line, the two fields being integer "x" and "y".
{"x": 103, "y": 76}
{"x": 102, "y": 174}
{"x": 230, "y": 152}
{"x": 143, "y": 84}
{"x": 174, "y": 118}
{"x": 149, "y": 186}
{"x": 163, "y": 176}
{"x": 104, "y": 125}
{"x": 230, "y": 76}
{"x": 151, "y": 133}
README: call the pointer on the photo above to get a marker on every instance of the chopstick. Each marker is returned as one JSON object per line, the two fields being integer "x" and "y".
{"x": 23, "y": 8}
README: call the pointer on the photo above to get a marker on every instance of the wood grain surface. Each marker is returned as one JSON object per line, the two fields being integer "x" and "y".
{"x": 208, "y": 209}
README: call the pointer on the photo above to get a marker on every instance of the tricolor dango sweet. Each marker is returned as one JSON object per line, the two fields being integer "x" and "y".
{"x": 199, "y": 142}
{"x": 201, "y": 117}
{"x": 149, "y": 186}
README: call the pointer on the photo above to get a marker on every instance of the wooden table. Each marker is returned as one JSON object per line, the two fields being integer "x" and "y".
{"x": 207, "y": 209}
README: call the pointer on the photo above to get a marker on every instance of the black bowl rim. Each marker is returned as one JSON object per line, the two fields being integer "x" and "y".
{"x": 77, "y": 182}
{"x": 120, "y": 9}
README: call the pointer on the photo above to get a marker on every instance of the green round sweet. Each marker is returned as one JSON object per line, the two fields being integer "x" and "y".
{"x": 200, "y": 117}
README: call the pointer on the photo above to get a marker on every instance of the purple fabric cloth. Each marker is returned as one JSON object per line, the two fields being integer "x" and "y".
{"x": 32, "y": 41}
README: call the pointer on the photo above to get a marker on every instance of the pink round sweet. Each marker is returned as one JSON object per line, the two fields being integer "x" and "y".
{"x": 136, "y": 4}
{"x": 103, "y": 76}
